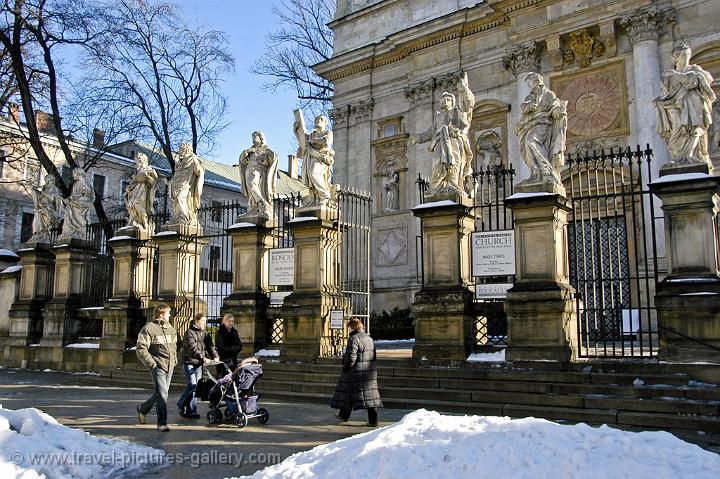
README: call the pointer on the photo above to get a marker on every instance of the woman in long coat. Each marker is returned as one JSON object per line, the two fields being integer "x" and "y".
{"x": 357, "y": 387}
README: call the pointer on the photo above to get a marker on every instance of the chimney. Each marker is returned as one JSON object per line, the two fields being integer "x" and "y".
{"x": 14, "y": 112}
{"x": 44, "y": 122}
{"x": 293, "y": 167}
{"x": 98, "y": 138}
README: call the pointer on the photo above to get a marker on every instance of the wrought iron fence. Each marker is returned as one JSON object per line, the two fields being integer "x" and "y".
{"x": 612, "y": 252}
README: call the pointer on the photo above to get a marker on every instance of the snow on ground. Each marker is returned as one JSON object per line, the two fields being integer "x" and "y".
{"x": 34, "y": 445}
{"x": 496, "y": 357}
{"x": 428, "y": 444}
{"x": 267, "y": 352}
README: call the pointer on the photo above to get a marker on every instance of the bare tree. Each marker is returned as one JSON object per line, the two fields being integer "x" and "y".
{"x": 32, "y": 35}
{"x": 303, "y": 41}
{"x": 157, "y": 78}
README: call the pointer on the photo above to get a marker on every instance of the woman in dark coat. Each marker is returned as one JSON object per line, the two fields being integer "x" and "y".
{"x": 357, "y": 387}
{"x": 228, "y": 344}
{"x": 197, "y": 345}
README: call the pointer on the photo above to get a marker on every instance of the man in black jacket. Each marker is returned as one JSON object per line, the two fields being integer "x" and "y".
{"x": 227, "y": 341}
{"x": 197, "y": 344}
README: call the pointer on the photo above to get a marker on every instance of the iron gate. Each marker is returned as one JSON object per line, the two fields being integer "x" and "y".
{"x": 612, "y": 253}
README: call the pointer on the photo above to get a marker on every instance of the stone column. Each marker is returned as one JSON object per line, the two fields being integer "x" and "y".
{"x": 540, "y": 307}
{"x": 520, "y": 60}
{"x": 179, "y": 273}
{"x": 307, "y": 310}
{"x": 644, "y": 28}
{"x": 443, "y": 328}
{"x": 26, "y": 314}
{"x": 250, "y": 290}
{"x": 61, "y": 322}
{"x": 124, "y": 312}
{"x": 9, "y": 289}
{"x": 687, "y": 300}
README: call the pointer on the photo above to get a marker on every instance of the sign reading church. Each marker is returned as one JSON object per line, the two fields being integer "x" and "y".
{"x": 282, "y": 266}
{"x": 493, "y": 253}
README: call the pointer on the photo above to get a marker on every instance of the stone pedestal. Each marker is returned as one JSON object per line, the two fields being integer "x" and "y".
{"x": 688, "y": 299}
{"x": 441, "y": 308}
{"x": 124, "y": 313}
{"x": 540, "y": 307}
{"x": 307, "y": 310}
{"x": 179, "y": 249}
{"x": 26, "y": 314}
{"x": 9, "y": 289}
{"x": 60, "y": 319}
{"x": 250, "y": 299}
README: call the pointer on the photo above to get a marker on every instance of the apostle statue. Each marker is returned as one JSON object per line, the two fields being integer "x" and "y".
{"x": 391, "y": 185}
{"x": 48, "y": 203}
{"x": 186, "y": 186}
{"x": 452, "y": 154}
{"x": 258, "y": 171}
{"x": 77, "y": 207}
{"x": 140, "y": 194}
{"x": 684, "y": 110}
{"x": 316, "y": 150}
{"x": 542, "y": 130}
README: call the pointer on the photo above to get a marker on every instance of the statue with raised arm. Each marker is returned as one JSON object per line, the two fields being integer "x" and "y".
{"x": 316, "y": 150}
{"x": 449, "y": 144}
{"x": 48, "y": 203}
{"x": 542, "y": 130}
{"x": 186, "y": 186}
{"x": 684, "y": 111}
{"x": 140, "y": 194}
{"x": 77, "y": 207}
{"x": 258, "y": 171}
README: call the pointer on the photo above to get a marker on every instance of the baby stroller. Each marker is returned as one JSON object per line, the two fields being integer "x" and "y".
{"x": 235, "y": 394}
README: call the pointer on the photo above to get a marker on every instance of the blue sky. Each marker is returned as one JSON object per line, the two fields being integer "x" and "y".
{"x": 250, "y": 107}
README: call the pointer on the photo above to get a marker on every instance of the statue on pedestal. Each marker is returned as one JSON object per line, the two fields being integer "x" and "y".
{"x": 77, "y": 207}
{"x": 186, "y": 186}
{"x": 542, "y": 130}
{"x": 316, "y": 150}
{"x": 140, "y": 194}
{"x": 258, "y": 169}
{"x": 684, "y": 110}
{"x": 452, "y": 154}
{"x": 391, "y": 185}
{"x": 48, "y": 203}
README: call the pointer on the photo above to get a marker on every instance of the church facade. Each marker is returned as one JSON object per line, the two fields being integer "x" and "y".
{"x": 393, "y": 59}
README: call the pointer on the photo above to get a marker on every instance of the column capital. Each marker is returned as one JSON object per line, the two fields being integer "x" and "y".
{"x": 420, "y": 92}
{"x": 339, "y": 116}
{"x": 522, "y": 58}
{"x": 647, "y": 23}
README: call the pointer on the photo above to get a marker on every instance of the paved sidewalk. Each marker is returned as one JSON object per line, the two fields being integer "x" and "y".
{"x": 110, "y": 411}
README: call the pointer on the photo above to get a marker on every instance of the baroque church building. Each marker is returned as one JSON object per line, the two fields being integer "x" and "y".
{"x": 393, "y": 59}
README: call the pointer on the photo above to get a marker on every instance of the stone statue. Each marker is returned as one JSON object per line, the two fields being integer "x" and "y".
{"x": 542, "y": 130}
{"x": 316, "y": 150}
{"x": 489, "y": 150}
{"x": 449, "y": 144}
{"x": 258, "y": 169}
{"x": 140, "y": 194}
{"x": 391, "y": 185}
{"x": 684, "y": 110}
{"x": 186, "y": 186}
{"x": 77, "y": 207}
{"x": 48, "y": 203}
{"x": 714, "y": 133}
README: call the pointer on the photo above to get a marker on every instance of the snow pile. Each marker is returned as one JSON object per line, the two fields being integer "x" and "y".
{"x": 267, "y": 352}
{"x": 34, "y": 445}
{"x": 428, "y": 444}
{"x": 496, "y": 357}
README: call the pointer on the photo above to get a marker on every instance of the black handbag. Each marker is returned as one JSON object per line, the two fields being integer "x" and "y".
{"x": 204, "y": 385}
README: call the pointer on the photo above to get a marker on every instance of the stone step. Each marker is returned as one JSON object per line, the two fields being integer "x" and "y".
{"x": 667, "y": 406}
{"x": 665, "y": 421}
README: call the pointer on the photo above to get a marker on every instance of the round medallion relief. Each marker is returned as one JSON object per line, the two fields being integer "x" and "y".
{"x": 593, "y": 104}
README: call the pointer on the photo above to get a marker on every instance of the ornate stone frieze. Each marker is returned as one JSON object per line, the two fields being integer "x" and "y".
{"x": 448, "y": 82}
{"x": 420, "y": 92}
{"x": 581, "y": 147}
{"x": 647, "y": 23}
{"x": 582, "y": 47}
{"x": 390, "y": 154}
{"x": 339, "y": 116}
{"x": 522, "y": 59}
{"x": 362, "y": 110}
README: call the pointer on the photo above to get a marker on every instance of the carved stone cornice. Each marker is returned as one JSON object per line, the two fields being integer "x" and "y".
{"x": 339, "y": 116}
{"x": 522, "y": 59}
{"x": 647, "y": 23}
{"x": 420, "y": 92}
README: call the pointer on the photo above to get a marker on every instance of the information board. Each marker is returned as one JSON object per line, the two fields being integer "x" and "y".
{"x": 493, "y": 253}
{"x": 282, "y": 266}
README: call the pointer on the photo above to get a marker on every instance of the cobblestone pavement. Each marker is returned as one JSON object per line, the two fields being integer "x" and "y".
{"x": 205, "y": 451}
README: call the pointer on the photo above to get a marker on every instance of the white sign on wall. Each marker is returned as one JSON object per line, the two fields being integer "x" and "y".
{"x": 282, "y": 266}
{"x": 493, "y": 253}
{"x": 336, "y": 318}
{"x": 277, "y": 298}
{"x": 492, "y": 290}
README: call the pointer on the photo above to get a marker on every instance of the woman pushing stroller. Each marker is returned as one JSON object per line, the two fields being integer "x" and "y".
{"x": 197, "y": 345}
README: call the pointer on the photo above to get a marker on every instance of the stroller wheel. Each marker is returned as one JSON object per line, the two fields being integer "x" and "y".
{"x": 264, "y": 415}
{"x": 212, "y": 416}
{"x": 241, "y": 420}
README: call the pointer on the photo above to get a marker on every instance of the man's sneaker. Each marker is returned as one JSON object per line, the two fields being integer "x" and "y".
{"x": 141, "y": 416}
{"x": 163, "y": 428}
